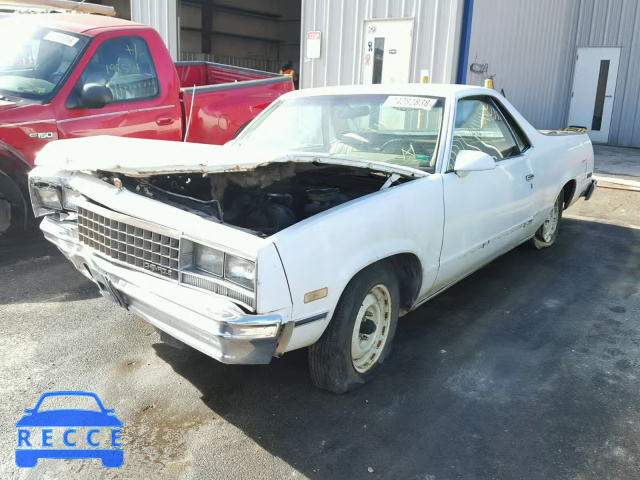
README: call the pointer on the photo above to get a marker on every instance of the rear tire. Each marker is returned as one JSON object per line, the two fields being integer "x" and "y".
{"x": 358, "y": 340}
{"x": 548, "y": 232}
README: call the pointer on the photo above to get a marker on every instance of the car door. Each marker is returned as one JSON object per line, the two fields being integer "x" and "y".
{"x": 486, "y": 212}
{"x": 145, "y": 98}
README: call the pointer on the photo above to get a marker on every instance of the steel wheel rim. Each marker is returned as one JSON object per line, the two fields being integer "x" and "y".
{"x": 550, "y": 225}
{"x": 375, "y": 311}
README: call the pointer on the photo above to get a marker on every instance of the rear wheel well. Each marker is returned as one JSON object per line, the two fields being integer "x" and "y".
{"x": 569, "y": 191}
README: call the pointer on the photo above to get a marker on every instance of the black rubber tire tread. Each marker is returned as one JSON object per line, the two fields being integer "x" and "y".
{"x": 330, "y": 362}
{"x": 537, "y": 241}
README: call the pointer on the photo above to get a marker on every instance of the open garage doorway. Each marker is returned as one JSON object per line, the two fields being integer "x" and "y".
{"x": 260, "y": 34}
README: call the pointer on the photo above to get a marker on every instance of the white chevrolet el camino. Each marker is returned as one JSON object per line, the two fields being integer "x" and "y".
{"x": 332, "y": 214}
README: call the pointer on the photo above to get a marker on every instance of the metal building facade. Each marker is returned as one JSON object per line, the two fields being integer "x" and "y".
{"x": 616, "y": 23}
{"x": 163, "y": 15}
{"x": 530, "y": 47}
{"x": 436, "y": 37}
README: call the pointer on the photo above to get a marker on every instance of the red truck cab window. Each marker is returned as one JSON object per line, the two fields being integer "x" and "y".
{"x": 122, "y": 65}
{"x": 121, "y": 90}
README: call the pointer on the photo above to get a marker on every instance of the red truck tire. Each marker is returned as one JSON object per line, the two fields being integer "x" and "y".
{"x": 14, "y": 212}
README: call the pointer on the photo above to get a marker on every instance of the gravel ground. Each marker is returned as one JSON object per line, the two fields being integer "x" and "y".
{"x": 530, "y": 368}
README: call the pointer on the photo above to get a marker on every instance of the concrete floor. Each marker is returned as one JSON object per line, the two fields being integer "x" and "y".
{"x": 618, "y": 162}
{"x": 527, "y": 369}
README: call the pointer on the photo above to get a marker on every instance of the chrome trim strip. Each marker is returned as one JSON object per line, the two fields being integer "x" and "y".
{"x": 125, "y": 112}
{"x": 314, "y": 318}
{"x": 6, "y": 125}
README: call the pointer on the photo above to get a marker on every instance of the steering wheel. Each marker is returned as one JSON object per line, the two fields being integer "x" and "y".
{"x": 405, "y": 143}
{"x": 56, "y": 77}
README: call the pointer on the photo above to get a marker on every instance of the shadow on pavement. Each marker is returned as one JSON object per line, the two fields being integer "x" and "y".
{"x": 519, "y": 371}
{"x": 32, "y": 270}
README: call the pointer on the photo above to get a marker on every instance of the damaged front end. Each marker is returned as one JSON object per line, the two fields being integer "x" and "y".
{"x": 195, "y": 282}
{"x": 262, "y": 201}
{"x": 189, "y": 250}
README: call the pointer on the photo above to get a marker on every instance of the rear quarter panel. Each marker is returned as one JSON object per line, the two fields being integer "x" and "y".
{"x": 219, "y": 111}
{"x": 329, "y": 249}
{"x": 556, "y": 160}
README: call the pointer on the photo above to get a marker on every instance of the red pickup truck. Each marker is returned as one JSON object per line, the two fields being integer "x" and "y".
{"x": 74, "y": 75}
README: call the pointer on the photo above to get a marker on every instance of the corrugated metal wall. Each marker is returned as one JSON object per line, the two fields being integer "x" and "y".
{"x": 161, "y": 15}
{"x": 616, "y": 23}
{"x": 530, "y": 48}
{"x": 341, "y": 21}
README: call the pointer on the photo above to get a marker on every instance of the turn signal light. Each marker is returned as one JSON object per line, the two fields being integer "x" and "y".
{"x": 316, "y": 295}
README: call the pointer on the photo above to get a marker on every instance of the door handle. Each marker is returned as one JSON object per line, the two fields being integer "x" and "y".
{"x": 164, "y": 120}
{"x": 608, "y": 96}
{"x": 530, "y": 177}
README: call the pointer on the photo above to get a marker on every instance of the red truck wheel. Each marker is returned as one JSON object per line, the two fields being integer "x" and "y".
{"x": 13, "y": 205}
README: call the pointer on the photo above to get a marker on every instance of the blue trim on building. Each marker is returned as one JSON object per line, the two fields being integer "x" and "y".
{"x": 465, "y": 42}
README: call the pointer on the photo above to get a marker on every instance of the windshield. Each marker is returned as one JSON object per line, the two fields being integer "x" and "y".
{"x": 65, "y": 402}
{"x": 33, "y": 60}
{"x": 403, "y": 130}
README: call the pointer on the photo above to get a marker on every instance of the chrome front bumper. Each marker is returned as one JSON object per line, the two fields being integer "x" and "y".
{"x": 206, "y": 322}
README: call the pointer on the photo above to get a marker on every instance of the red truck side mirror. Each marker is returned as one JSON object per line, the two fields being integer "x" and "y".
{"x": 96, "y": 96}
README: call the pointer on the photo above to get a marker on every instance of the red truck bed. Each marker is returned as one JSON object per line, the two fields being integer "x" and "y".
{"x": 203, "y": 74}
{"x": 220, "y": 99}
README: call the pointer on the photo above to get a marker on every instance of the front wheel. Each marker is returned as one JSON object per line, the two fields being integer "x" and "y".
{"x": 359, "y": 337}
{"x": 548, "y": 232}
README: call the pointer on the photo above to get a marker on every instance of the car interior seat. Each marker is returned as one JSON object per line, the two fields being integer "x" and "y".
{"x": 50, "y": 55}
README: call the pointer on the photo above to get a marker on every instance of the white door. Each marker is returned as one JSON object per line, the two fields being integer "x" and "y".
{"x": 489, "y": 212}
{"x": 594, "y": 87}
{"x": 386, "y": 56}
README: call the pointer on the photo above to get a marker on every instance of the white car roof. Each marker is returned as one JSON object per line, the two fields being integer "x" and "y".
{"x": 433, "y": 89}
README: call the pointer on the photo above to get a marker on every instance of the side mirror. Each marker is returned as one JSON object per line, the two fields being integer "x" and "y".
{"x": 96, "y": 96}
{"x": 472, "y": 161}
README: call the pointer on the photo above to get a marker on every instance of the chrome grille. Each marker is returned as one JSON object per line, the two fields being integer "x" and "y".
{"x": 128, "y": 243}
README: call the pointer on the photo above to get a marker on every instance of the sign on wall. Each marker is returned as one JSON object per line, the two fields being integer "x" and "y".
{"x": 314, "y": 42}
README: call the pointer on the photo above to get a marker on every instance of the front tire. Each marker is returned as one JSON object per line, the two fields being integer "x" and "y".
{"x": 358, "y": 340}
{"x": 548, "y": 232}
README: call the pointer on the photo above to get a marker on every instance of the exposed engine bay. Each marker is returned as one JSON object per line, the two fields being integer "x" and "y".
{"x": 265, "y": 200}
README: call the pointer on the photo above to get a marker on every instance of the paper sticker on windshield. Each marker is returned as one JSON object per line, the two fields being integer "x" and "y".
{"x": 62, "y": 38}
{"x": 421, "y": 103}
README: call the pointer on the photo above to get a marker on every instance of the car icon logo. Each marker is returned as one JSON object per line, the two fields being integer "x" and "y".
{"x": 69, "y": 433}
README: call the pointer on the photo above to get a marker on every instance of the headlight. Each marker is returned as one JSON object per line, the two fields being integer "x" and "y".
{"x": 70, "y": 198}
{"x": 208, "y": 259}
{"x": 48, "y": 196}
{"x": 239, "y": 271}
